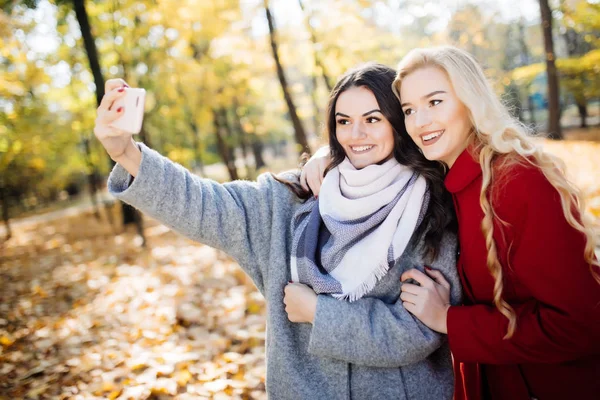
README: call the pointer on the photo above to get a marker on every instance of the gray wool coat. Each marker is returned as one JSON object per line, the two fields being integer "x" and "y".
{"x": 368, "y": 349}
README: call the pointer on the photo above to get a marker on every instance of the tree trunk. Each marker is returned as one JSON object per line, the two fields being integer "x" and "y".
{"x": 315, "y": 104}
{"x": 90, "y": 47}
{"x": 531, "y": 106}
{"x": 223, "y": 147}
{"x": 130, "y": 214}
{"x": 92, "y": 54}
{"x": 583, "y": 113}
{"x": 576, "y": 46}
{"x": 5, "y": 207}
{"x": 257, "y": 149}
{"x": 231, "y": 140}
{"x": 92, "y": 177}
{"x": 299, "y": 132}
{"x": 243, "y": 137}
{"x": 525, "y": 60}
{"x": 199, "y": 163}
{"x": 554, "y": 129}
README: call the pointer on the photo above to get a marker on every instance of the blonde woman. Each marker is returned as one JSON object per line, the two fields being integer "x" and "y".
{"x": 530, "y": 326}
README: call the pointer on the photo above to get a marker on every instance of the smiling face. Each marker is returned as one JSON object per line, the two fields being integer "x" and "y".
{"x": 364, "y": 133}
{"x": 435, "y": 118}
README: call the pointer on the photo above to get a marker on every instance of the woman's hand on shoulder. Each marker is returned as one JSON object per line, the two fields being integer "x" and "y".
{"x": 429, "y": 301}
{"x": 314, "y": 170}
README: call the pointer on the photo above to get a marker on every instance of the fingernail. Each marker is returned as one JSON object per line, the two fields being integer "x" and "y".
{"x": 119, "y": 109}
{"x": 290, "y": 282}
{"x": 121, "y": 90}
{"x": 125, "y": 85}
{"x": 427, "y": 268}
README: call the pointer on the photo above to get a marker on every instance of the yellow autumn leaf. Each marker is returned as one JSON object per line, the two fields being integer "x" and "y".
{"x": 183, "y": 377}
{"x": 6, "y": 341}
{"x": 254, "y": 308}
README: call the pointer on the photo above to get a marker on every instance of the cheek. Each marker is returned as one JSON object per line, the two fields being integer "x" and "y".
{"x": 341, "y": 135}
{"x": 410, "y": 128}
{"x": 459, "y": 118}
{"x": 387, "y": 136}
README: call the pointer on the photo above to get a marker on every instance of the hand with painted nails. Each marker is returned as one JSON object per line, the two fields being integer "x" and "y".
{"x": 429, "y": 301}
{"x": 314, "y": 171}
{"x": 118, "y": 144}
{"x": 300, "y": 303}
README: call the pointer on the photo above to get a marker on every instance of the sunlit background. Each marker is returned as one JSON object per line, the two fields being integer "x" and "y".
{"x": 93, "y": 308}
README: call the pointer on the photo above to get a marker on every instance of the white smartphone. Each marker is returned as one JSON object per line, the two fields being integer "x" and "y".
{"x": 133, "y": 114}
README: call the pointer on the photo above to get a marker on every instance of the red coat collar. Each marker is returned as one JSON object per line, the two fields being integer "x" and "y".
{"x": 464, "y": 171}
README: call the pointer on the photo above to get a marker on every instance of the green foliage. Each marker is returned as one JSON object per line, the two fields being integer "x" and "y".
{"x": 580, "y": 76}
{"x": 198, "y": 56}
{"x": 584, "y": 17}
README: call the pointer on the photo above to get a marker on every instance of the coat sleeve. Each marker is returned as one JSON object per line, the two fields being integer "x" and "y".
{"x": 561, "y": 321}
{"x": 374, "y": 333}
{"x": 234, "y": 217}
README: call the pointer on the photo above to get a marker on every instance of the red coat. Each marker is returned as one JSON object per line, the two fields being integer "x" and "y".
{"x": 555, "y": 351}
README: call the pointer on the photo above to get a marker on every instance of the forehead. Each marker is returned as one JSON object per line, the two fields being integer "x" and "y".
{"x": 424, "y": 81}
{"x": 356, "y": 100}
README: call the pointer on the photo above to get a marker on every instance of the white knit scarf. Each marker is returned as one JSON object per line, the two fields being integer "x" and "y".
{"x": 347, "y": 240}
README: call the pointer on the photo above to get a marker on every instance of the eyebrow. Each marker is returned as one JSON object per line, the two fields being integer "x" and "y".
{"x": 426, "y": 96}
{"x": 364, "y": 115}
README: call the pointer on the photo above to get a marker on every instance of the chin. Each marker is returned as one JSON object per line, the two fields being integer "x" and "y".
{"x": 432, "y": 156}
{"x": 360, "y": 164}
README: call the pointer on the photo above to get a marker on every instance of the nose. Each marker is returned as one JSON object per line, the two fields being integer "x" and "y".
{"x": 423, "y": 118}
{"x": 358, "y": 131}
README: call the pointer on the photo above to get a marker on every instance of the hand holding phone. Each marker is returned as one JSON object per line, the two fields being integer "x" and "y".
{"x": 133, "y": 110}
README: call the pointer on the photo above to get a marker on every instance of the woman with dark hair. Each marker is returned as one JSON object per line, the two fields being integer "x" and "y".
{"x": 371, "y": 223}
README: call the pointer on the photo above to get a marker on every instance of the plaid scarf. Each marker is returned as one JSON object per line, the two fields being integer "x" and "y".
{"x": 347, "y": 240}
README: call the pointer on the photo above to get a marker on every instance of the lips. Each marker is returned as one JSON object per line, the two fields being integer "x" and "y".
{"x": 429, "y": 138}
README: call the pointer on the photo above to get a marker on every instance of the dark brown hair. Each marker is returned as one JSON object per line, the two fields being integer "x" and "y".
{"x": 378, "y": 78}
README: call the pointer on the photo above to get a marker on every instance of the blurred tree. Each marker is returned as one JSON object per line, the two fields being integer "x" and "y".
{"x": 130, "y": 214}
{"x": 299, "y": 133}
{"x": 583, "y": 16}
{"x": 242, "y": 136}
{"x": 24, "y": 117}
{"x": 222, "y": 130}
{"x": 554, "y": 128}
{"x": 578, "y": 38}
{"x": 320, "y": 66}
{"x": 526, "y": 60}
{"x": 81, "y": 13}
{"x": 579, "y": 76}
{"x": 89, "y": 44}
{"x": 208, "y": 72}
{"x": 518, "y": 55}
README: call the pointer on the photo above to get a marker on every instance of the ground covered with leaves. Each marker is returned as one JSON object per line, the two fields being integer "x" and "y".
{"x": 87, "y": 313}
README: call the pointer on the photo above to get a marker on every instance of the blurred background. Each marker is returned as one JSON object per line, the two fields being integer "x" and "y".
{"x": 97, "y": 301}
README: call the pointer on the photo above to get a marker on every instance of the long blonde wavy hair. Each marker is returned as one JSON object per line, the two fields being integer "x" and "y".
{"x": 496, "y": 133}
